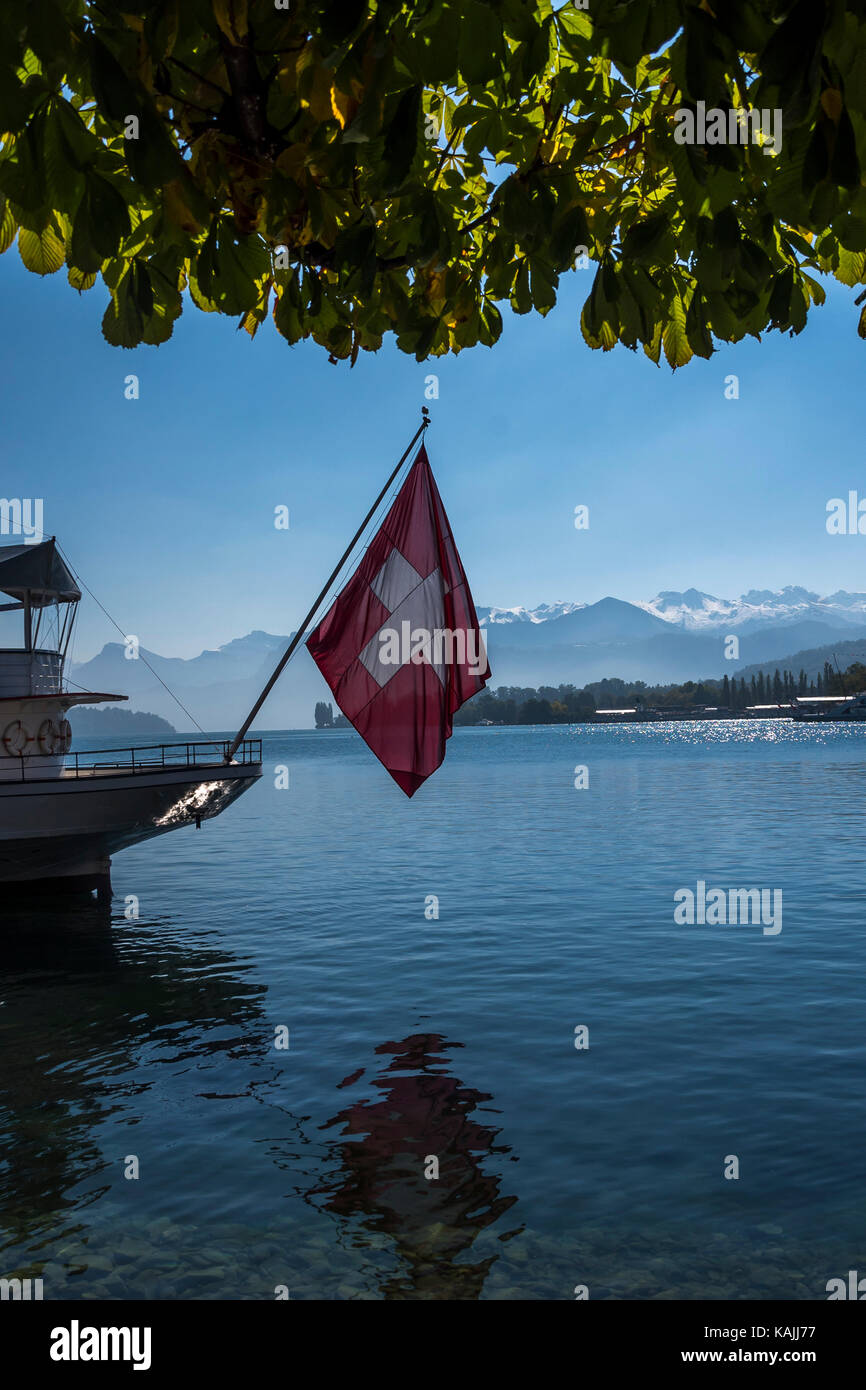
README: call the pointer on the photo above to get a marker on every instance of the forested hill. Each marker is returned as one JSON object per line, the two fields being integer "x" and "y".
{"x": 567, "y": 704}
{"x": 813, "y": 660}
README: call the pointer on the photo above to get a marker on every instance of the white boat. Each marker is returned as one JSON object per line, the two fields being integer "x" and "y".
{"x": 830, "y": 709}
{"x": 63, "y": 814}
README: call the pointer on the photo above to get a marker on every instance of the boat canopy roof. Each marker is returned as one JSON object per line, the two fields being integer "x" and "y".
{"x": 823, "y": 699}
{"x": 39, "y": 571}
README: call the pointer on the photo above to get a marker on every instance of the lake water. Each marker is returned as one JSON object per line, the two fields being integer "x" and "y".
{"x": 415, "y": 1039}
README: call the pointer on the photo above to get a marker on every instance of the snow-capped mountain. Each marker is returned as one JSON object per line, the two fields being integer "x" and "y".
{"x": 696, "y": 611}
{"x": 542, "y": 614}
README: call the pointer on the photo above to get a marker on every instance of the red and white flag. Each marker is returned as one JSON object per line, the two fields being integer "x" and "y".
{"x": 400, "y": 646}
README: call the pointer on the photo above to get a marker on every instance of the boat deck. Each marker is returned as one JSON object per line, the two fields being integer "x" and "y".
{"x": 124, "y": 762}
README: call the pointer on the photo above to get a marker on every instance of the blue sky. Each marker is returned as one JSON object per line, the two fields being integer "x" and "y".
{"x": 165, "y": 504}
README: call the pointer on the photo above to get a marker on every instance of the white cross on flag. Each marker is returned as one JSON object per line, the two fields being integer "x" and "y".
{"x": 400, "y": 647}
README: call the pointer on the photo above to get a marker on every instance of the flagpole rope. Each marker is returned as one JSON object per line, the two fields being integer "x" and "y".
{"x": 326, "y": 588}
{"x": 116, "y": 624}
{"x": 77, "y": 577}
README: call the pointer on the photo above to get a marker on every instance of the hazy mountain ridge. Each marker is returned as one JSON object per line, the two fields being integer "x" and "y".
{"x": 812, "y": 660}
{"x": 217, "y": 687}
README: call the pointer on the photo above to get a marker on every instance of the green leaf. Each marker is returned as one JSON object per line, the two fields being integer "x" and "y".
{"x": 355, "y": 257}
{"x": 652, "y": 347}
{"x": 543, "y": 282}
{"x": 489, "y": 323}
{"x": 646, "y": 295}
{"x": 63, "y": 179}
{"x": 159, "y": 327}
{"x": 514, "y": 206}
{"x": 521, "y": 298}
{"x": 816, "y": 163}
{"x": 816, "y": 291}
{"x": 8, "y": 225}
{"x": 288, "y": 313}
{"x": 79, "y": 281}
{"x": 604, "y": 337}
{"x": 789, "y": 62}
{"x": 643, "y": 241}
{"x": 780, "y": 297}
{"x": 480, "y": 44}
{"x": 100, "y": 224}
{"x": 81, "y": 144}
{"x": 675, "y": 339}
{"x": 199, "y": 298}
{"x": 15, "y": 102}
{"x": 230, "y": 269}
{"x": 570, "y": 230}
{"x": 123, "y": 323}
{"x": 48, "y": 30}
{"x": 852, "y": 233}
{"x": 798, "y": 310}
{"x": 697, "y": 330}
{"x": 403, "y": 139}
{"x": 41, "y": 252}
{"x": 116, "y": 94}
{"x": 153, "y": 158}
{"x": 845, "y": 165}
{"x": 851, "y": 266}
{"x": 22, "y": 176}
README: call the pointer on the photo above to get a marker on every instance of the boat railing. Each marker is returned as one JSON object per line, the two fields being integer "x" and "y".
{"x": 89, "y": 762}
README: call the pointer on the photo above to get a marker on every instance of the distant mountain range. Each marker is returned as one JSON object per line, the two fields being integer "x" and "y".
{"x": 672, "y": 637}
{"x": 675, "y": 636}
{"x": 699, "y": 612}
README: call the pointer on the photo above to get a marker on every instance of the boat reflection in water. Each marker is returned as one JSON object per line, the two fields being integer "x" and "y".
{"x": 422, "y": 1113}
{"x": 95, "y": 1017}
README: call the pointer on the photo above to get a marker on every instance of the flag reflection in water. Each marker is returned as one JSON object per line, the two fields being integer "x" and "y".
{"x": 422, "y": 1112}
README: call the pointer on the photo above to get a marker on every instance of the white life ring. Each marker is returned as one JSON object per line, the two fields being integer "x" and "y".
{"x": 15, "y": 739}
{"x": 50, "y": 738}
{"x": 65, "y": 736}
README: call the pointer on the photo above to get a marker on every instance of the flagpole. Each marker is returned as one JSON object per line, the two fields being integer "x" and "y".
{"x": 299, "y": 635}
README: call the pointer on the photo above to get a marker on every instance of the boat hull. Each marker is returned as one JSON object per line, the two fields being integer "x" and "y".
{"x": 69, "y": 827}
{"x": 854, "y": 716}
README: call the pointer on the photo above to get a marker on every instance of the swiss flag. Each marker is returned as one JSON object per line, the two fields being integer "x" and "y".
{"x": 400, "y": 646}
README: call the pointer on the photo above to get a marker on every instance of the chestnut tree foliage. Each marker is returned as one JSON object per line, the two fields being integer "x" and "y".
{"x": 368, "y": 167}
